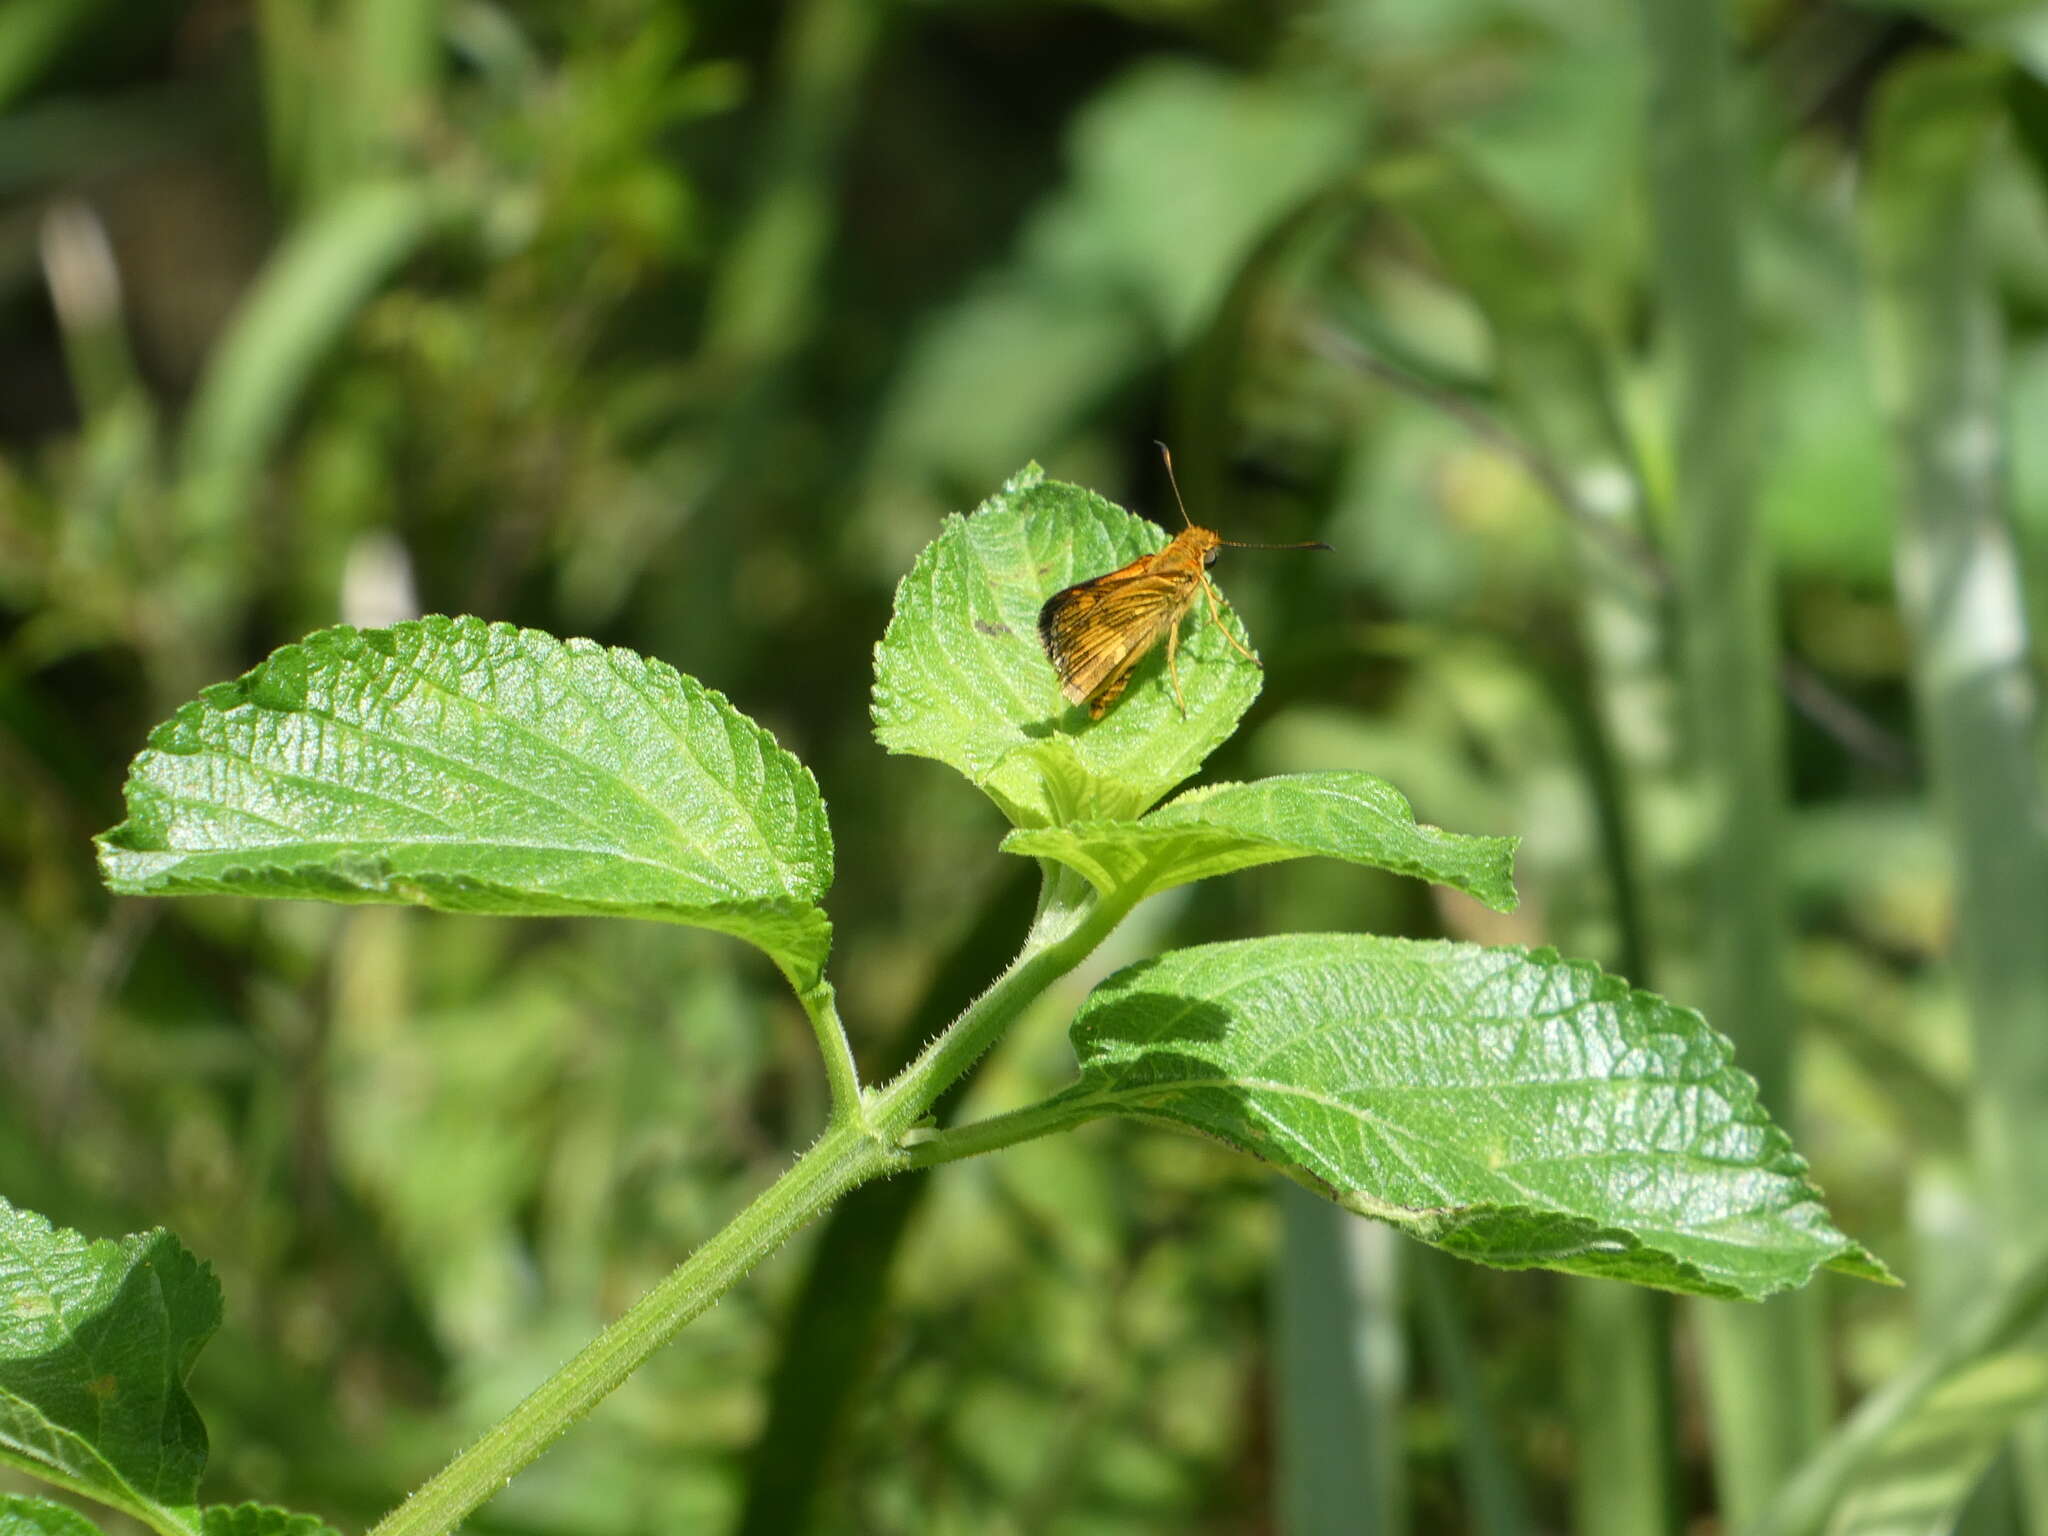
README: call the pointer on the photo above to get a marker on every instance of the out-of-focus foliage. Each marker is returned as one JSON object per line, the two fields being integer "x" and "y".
{"x": 679, "y": 325}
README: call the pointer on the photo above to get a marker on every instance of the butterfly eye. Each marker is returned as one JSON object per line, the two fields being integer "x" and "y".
{"x": 1209, "y": 556}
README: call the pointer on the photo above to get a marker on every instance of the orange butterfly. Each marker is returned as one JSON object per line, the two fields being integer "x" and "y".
{"x": 1097, "y": 631}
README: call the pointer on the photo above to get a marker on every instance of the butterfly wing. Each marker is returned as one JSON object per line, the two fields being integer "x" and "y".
{"x": 1097, "y": 631}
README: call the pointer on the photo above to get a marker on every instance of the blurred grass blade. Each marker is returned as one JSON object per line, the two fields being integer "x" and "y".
{"x": 1766, "y": 1372}
{"x": 262, "y": 368}
{"x": 1924, "y": 1472}
{"x": 760, "y": 305}
{"x": 1933, "y": 1386}
{"x": 96, "y": 1341}
{"x": 394, "y": 63}
{"x": 85, "y": 292}
{"x": 32, "y": 35}
{"x": 477, "y": 767}
{"x": 1221, "y": 828}
{"x": 1492, "y": 1481}
{"x": 1935, "y": 332}
{"x": 1626, "y": 1445}
{"x": 1338, "y": 1372}
{"x": 1555, "y": 379}
{"x": 1504, "y": 1105}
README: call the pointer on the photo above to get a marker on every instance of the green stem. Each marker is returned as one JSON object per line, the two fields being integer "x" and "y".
{"x": 827, "y": 1346}
{"x": 1766, "y": 1367}
{"x": 858, "y": 1145}
{"x": 1618, "y": 1383}
{"x": 1071, "y": 922}
{"x": 764, "y": 293}
{"x": 1060, "y": 1113}
{"x": 842, "y": 1073}
{"x": 843, "y": 1157}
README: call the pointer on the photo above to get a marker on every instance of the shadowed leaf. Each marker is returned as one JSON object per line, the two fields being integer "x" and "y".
{"x": 1504, "y": 1105}
{"x": 96, "y": 1340}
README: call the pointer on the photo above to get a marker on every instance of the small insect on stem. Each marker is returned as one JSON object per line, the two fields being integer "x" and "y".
{"x": 1097, "y": 631}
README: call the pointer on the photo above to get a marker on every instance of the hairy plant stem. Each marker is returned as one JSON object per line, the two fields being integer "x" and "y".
{"x": 842, "y": 1074}
{"x": 843, "y": 1157}
{"x": 1062, "y": 1113}
{"x": 863, "y": 1140}
{"x": 1071, "y": 921}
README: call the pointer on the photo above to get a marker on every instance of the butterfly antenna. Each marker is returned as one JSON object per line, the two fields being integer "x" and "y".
{"x": 1166, "y": 453}
{"x": 1305, "y": 544}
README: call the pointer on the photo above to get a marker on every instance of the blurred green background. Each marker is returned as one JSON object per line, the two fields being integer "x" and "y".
{"x": 1623, "y": 351}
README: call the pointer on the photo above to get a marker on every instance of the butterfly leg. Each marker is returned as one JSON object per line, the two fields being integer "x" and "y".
{"x": 1216, "y": 618}
{"x": 1173, "y": 665}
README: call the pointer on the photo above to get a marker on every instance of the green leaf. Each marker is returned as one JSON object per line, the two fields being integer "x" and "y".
{"x": 1507, "y": 1106}
{"x": 961, "y": 676}
{"x": 96, "y": 1340}
{"x": 1918, "y": 1479}
{"x": 477, "y": 767}
{"x": 1225, "y": 827}
{"x": 24, "y": 1516}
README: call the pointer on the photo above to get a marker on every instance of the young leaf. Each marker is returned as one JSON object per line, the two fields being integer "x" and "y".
{"x": 1504, "y": 1105}
{"x": 96, "y": 1340}
{"x": 479, "y": 767}
{"x": 24, "y": 1516}
{"x": 1225, "y": 827}
{"x": 260, "y": 1520}
{"x": 960, "y": 674}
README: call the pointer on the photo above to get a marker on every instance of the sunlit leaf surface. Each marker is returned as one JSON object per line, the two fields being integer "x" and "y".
{"x": 478, "y": 767}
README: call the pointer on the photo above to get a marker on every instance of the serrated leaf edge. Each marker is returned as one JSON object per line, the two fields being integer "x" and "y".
{"x": 220, "y": 699}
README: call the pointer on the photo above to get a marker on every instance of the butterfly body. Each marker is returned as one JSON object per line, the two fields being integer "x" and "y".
{"x": 1097, "y": 631}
